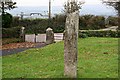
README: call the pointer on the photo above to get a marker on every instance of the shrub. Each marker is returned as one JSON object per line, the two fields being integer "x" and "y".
{"x": 91, "y": 22}
{"x": 6, "y": 20}
{"x": 15, "y": 21}
{"x": 57, "y": 23}
{"x": 94, "y": 33}
{"x": 11, "y": 32}
{"x": 83, "y": 35}
{"x": 34, "y": 26}
{"x": 112, "y": 21}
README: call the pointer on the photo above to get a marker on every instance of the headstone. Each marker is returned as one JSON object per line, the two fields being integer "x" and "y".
{"x": 70, "y": 41}
{"x": 49, "y": 36}
{"x": 22, "y": 34}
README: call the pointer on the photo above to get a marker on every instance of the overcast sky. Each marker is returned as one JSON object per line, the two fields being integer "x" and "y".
{"x": 45, "y": 2}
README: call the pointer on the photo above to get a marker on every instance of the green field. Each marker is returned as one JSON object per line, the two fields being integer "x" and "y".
{"x": 97, "y": 58}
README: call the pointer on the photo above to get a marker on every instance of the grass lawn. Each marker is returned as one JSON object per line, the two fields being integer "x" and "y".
{"x": 97, "y": 58}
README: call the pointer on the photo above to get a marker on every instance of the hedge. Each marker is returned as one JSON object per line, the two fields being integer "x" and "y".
{"x": 11, "y": 32}
{"x": 34, "y": 26}
{"x": 98, "y": 33}
{"x": 57, "y": 23}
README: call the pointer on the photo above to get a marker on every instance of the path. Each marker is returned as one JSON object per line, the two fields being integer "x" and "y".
{"x": 17, "y": 50}
{"x": 58, "y": 37}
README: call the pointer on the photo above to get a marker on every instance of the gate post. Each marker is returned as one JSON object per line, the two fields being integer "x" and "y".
{"x": 49, "y": 36}
{"x": 22, "y": 34}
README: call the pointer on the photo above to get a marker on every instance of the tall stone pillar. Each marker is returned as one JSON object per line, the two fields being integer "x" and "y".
{"x": 70, "y": 42}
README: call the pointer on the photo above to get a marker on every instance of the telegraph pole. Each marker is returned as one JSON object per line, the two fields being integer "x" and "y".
{"x": 49, "y": 14}
{"x": 49, "y": 9}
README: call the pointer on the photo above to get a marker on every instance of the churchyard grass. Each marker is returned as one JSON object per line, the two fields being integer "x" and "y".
{"x": 97, "y": 58}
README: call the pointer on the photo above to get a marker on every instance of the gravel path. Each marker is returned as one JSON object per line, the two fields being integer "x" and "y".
{"x": 15, "y": 51}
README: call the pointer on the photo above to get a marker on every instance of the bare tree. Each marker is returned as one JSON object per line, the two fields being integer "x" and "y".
{"x": 7, "y": 5}
{"x": 116, "y": 5}
{"x": 72, "y": 6}
{"x": 113, "y": 3}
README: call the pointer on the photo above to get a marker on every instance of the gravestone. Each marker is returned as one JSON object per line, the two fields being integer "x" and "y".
{"x": 22, "y": 34}
{"x": 49, "y": 36}
{"x": 71, "y": 39}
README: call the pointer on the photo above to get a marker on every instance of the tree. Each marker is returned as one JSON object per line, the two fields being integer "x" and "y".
{"x": 7, "y": 5}
{"x": 6, "y": 17}
{"x": 6, "y": 20}
{"x": 116, "y": 5}
{"x": 113, "y": 3}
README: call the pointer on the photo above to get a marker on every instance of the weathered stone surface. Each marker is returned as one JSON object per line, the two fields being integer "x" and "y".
{"x": 70, "y": 44}
{"x": 22, "y": 34}
{"x": 49, "y": 36}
